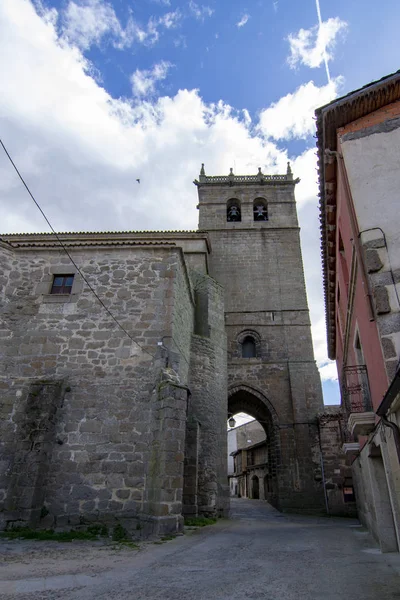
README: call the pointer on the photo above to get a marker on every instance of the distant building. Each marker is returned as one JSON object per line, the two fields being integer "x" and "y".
{"x": 359, "y": 148}
{"x": 242, "y": 436}
{"x": 251, "y": 472}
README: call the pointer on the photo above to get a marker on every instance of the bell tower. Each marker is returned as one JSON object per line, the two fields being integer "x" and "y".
{"x": 252, "y": 224}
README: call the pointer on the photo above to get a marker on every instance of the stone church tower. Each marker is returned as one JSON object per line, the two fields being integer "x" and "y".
{"x": 126, "y": 424}
{"x": 252, "y": 225}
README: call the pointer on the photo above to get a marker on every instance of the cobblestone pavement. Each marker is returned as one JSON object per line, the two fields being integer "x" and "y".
{"x": 258, "y": 554}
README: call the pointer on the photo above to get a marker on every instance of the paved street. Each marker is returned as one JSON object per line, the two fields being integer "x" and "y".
{"x": 258, "y": 554}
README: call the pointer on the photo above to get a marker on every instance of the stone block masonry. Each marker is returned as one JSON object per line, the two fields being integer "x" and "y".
{"x": 79, "y": 398}
{"x": 206, "y": 483}
{"x": 129, "y": 427}
{"x": 259, "y": 265}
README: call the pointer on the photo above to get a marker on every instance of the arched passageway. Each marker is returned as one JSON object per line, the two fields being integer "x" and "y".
{"x": 244, "y": 399}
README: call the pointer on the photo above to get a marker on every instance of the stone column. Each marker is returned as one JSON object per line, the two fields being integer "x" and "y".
{"x": 162, "y": 509}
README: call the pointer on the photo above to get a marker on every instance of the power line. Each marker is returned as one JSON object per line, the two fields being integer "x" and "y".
{"x": 69, "y": 255}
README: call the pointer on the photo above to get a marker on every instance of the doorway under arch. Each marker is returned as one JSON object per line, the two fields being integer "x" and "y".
{"x": 245, "y": 399}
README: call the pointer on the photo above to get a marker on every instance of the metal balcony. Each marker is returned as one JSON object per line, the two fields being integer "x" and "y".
{"x": 356, "y": 400}
{"x": 355, "y": 390}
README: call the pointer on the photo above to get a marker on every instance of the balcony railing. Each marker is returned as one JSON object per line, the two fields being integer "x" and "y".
{"x": 355, "y": 389}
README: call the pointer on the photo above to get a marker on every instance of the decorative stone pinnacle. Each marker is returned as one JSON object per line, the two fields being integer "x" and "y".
{"x": 289, "y": 170}
{"x": 231, "y": 171}
{"x": 202, "y": 171}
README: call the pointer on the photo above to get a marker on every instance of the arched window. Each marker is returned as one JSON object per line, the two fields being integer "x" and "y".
{"x": 248, "y": 347}
{"x": 260, "y": 209}
{"x": 233, "y": 212}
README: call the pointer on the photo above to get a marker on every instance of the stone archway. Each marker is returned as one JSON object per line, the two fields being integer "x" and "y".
{"x": 250, "y": 400}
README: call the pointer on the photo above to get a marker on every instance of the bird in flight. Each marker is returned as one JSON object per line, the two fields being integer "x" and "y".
{"x": 138, "y": 180}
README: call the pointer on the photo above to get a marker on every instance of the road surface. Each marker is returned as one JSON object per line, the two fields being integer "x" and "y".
{"x": 257, "y": 554}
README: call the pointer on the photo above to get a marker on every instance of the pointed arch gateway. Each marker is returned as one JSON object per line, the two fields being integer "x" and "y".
{"x": 250, "y": 400}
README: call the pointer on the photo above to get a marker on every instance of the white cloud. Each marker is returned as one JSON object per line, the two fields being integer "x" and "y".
{"x": 86, "y": 23}
{"x": 81, "y": 150}
{"x": 93, "y": 146}
{"x": 328, "y": 372}
{"x": 89, "y": 22}
{"x": 243, "y": 20}
{"x": 200, "y": 12}
{"x": 246, "y": 116}
{"x": 180, "y": 41}
{"x": 293, "y": 115}
{"x": 312, "y": 46}
{"x": 49, "y": 15}
{"x": 144, "y": 81}
{"x": 171, "y": 20}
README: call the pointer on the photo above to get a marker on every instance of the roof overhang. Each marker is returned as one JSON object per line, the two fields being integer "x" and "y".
{"x": 189, "y": 241}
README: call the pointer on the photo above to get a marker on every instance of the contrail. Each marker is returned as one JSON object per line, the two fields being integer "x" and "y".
{"x": 325, "y": 56}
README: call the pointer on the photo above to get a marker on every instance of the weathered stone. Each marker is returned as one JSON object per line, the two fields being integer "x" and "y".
{"x": 381, "y": 297}
{"x": 138, "y": 424}
{"x": 373, "y": 260}
{"x": 389, "y": 350}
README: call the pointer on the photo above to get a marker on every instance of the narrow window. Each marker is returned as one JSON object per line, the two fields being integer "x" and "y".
{"x": 233, "y": 212}
{"x": 260, "y": 210}
{"x": 62, "y": 284}
{"x": 248, "y": 347}
{"x": 358, "y": 350}
{"x": 341, "y": 246}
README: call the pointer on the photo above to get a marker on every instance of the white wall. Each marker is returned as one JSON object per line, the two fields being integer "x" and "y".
{"x": 371, "y": 158}
{"x": 372, "y": 164}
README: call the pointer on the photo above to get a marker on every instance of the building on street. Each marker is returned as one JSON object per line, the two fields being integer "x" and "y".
{"x": 358, "y": 138}
{"x": 120, "y": 369}
{"x": 241, "y": 438}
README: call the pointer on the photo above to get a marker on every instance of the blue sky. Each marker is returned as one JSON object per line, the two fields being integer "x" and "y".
{"x": 96, "y": 93}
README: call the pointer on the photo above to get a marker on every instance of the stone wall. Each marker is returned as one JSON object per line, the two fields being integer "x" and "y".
{"x": 336, "y": 470}
{"x": 206, "y": 483}
{"x": 375, "y": 493}
{"x": 94, "y": 456}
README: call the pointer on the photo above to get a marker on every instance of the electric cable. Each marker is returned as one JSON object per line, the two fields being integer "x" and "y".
{"x": 70, "y": 257}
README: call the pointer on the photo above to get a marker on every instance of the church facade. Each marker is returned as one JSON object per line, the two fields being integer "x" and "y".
{"x": 119, "y": 369}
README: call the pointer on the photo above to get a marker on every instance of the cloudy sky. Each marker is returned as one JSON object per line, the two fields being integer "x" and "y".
{"x": 97, "y": 93}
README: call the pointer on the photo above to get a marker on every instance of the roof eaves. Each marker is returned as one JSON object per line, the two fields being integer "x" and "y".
{"x": 77, "y": 233}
